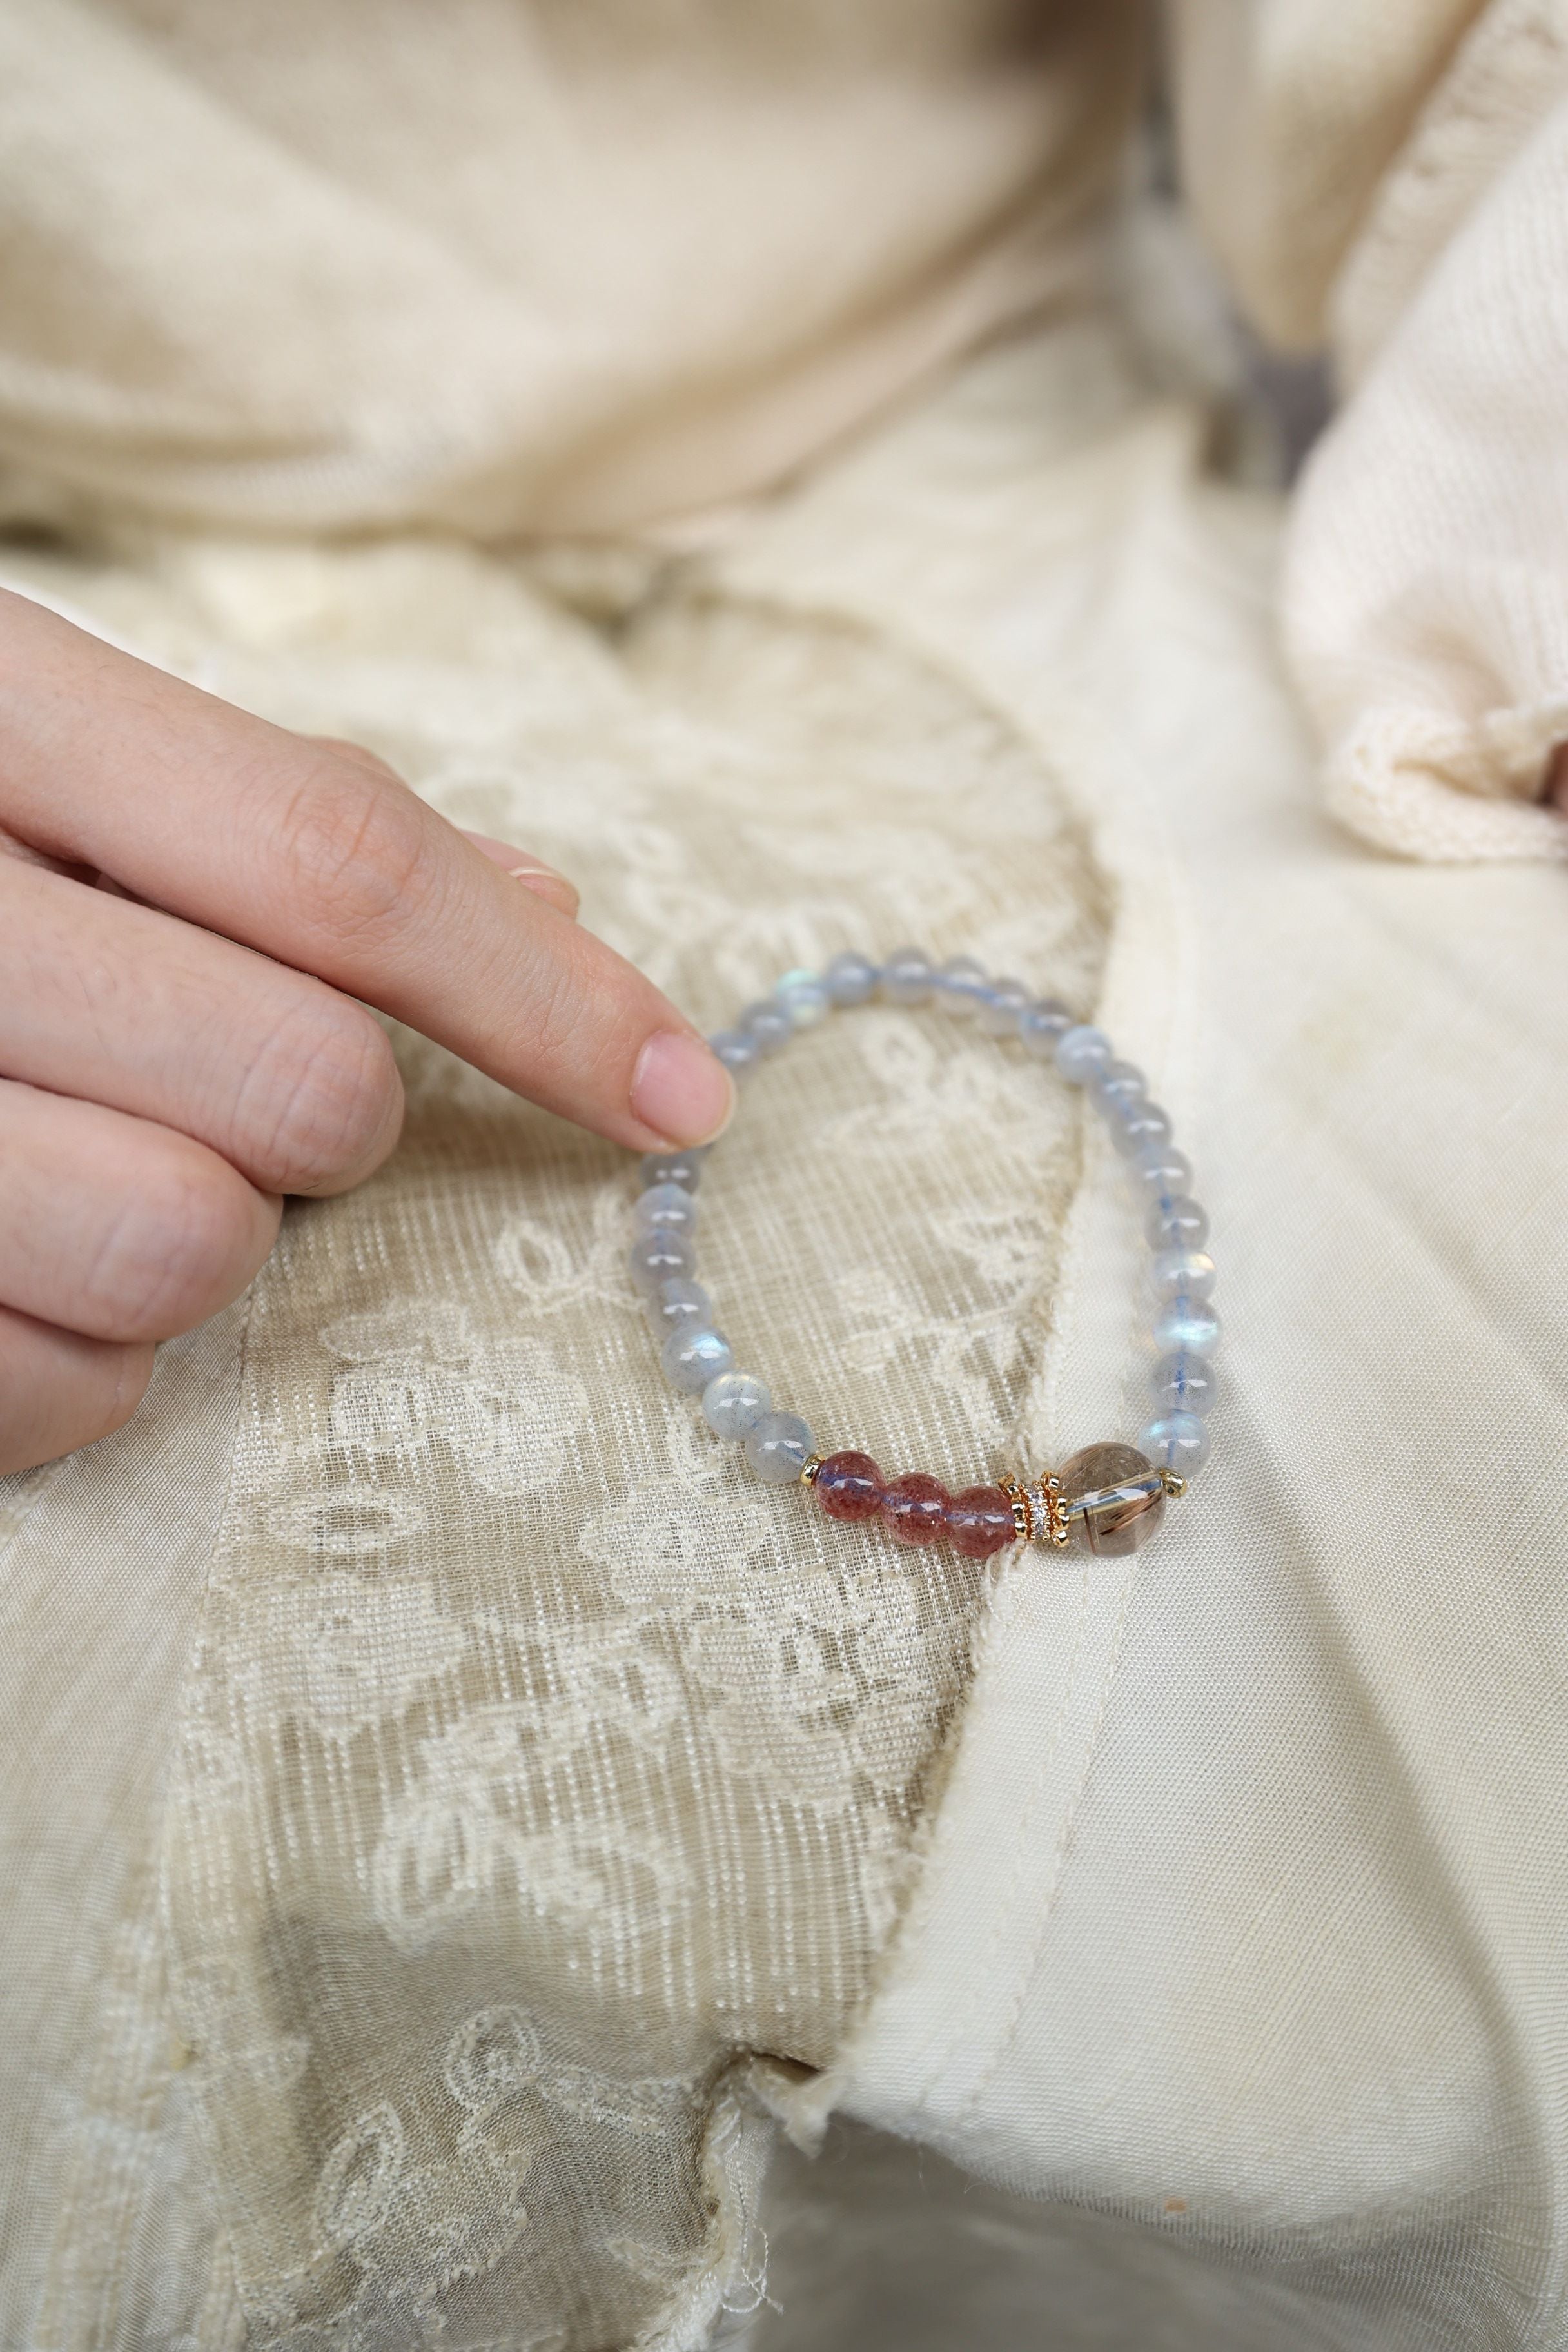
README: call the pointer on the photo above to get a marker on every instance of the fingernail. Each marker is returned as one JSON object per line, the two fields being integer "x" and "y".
{"x": 682, "y": 1090}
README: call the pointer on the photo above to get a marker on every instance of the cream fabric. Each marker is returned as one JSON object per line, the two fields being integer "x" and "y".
{"x": 515, "y": 264}
{"x": 1392, "y": 180}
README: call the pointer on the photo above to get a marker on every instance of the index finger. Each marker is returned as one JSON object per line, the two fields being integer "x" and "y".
{"x": 280, "y": 842}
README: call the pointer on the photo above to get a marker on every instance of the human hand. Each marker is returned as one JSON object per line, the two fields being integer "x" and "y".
{"x": 190, "y": 901}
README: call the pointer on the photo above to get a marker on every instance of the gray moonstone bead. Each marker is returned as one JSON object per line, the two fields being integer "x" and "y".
{"x": 1082, "y": 1052}
{"x": 1121, "y": 1082}
{"x": 961, "y": 982}
{"x": 1135, "y": 1125}
{"x": 851, "y": 979}
{"x": 908, "y": 977}
{"x": 665, "y": 1208}
{"x": 693, "y": 1354}
{"x": 1176, "y": 1441}
{"x": 1177, "y": 1222}
{"x": 1183, "y": 1274}
{"x": 1181, "y": 1382}
{"x": 655, "y": 1258}
{"x": 803, "y": 996}
{"x": 1161, "y": 1172}
{"x": 738, "y": 1052}
{"x": 1042, "y": 1026}
{"x": 767, "y": 1022}
{"x": 1189, "y": 1325}
{"x": 682, "y": 1168}
{"x": 779, "y": 1447}
{"x": 735, "y": 1403}
{"x": 1002, "y": 1007}
{"x": 679, "y": 1300}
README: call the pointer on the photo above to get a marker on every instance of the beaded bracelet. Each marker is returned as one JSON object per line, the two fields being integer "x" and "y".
{"x": 1108, "y": 1498}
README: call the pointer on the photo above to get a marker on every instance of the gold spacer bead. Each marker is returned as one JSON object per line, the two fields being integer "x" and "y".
{"x": 1173, "y": 1482}
{"x": 809, "y": 1469}
{"x": 1056, "y": 1509}
{"x": 1023, "y": 1511}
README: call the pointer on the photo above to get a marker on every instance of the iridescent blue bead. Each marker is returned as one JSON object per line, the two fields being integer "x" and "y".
{"x": 665, "y": 1208}
{"x": 1183, "y": 1274}
{"x": 658, "y": 1257}
{"x": 851, "y": 979}
{"x": 679, "y": 1300}
{"x": 1188, "y": 1325}
{"x": 735, "y": 1403}
{"x": 1042, "y": 1026}
{"x": 960, "y": 984}
{"x": 682, "y": 1168}
{"x": 1184, "y": 1383}
{"x": 1002, "y": 1007}
{"x": 1082, "y": 1052}
{"x": 737, "y": 1051}
{"x": 804, "y": 995}
{"x": 693, "y": 1354}
{"x": 767, "y": 1022}
{"x": 1177, "y": 1222}
{"x": 1177, "y": 1441}
{"x": 1135, "y": 1126}
{"x": 779, "y": 1448}
{"x": 907, "y": 976}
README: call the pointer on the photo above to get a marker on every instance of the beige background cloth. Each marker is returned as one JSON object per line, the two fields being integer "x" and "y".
{"x": 436, "y": 1776}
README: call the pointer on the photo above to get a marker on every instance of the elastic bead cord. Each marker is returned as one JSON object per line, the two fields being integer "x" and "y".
{"x": 1108, "y": 1498}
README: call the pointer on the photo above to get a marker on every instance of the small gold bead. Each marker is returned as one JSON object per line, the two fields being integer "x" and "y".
{"x": 1022, "y": 1511}
{"x": 809, "y": 1469}
{"x": 1173, "y": 1482}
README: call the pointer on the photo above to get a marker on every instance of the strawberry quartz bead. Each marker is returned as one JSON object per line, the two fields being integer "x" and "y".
{"x": 915, "y": 1507}
{"x": 980, "y": 1521}
{"x": 849, "y": 1486}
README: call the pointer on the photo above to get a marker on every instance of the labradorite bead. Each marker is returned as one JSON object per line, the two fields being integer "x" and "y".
{"x": 1121, "y": 1083}
{"x": 907, "y": 976}
{"x": 961, "y": 982}
{"x": 1122, "y": 1498}
{"x": 851, "y": 979}
{"x": 1002, "y": 1006}
{"x": 682, "y": 1168}
{"x": 767, "y": 1022}
{"x": 1177, "y": 1222}
{"x": 1183, "y": 1274}
{"x": 679, "y": 1300}
{"x": 655, "y": 1258}
{"x": 734, "y": 1403}
{"x": 1161, "y": 1172}
{"x": 1135, "y": 1126}
{"x": 779, "y": 1448}
{"x": 1042, "y": 1026}
{"x": 804, "y": 995}
{"x": 1176, "y": 1441}
{"x": 665, "y": 1209}
{"x": 693, "y": 1354}
{"x": 1082, "y": 1052}
{"x": 737, "y": 1051}
{"x": 1189, "y": 1324}
{"x": 1183, "y": 1382}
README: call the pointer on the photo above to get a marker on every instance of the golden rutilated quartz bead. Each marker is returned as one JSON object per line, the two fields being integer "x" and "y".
{"x": 1115, "y": 1498}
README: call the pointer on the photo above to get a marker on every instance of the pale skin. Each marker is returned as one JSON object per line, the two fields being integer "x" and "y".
{"x": 190, "y": 903}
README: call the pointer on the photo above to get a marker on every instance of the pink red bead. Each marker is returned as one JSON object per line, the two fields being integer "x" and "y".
{"x": 980, "y": 1521}
{"x": 915, "y": 1507}
{"x": 849, "y": 1486}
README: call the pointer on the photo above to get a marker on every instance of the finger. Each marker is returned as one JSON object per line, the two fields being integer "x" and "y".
{"x": 116, "y": 1228}
{"x": 521, "y": 864}
{"x": 120, "y": 1004}
{"x": 58, "y": 1390}
{"x": 324, "y": 863}
{"x": 531, "y": 871}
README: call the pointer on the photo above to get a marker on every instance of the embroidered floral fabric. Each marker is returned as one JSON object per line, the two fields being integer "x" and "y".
{"x": 534, "y": 1767}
